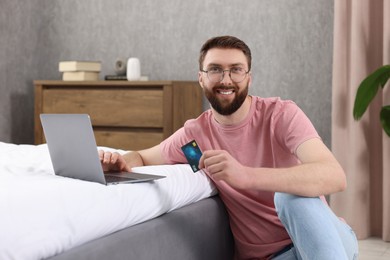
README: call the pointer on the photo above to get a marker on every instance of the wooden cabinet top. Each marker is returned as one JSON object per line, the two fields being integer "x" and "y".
{"x": 105, "y": 83}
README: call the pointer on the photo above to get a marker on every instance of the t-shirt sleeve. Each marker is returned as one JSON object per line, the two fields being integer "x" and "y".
{"x": 292, "y": 127}
{"x": 171, "y": 147}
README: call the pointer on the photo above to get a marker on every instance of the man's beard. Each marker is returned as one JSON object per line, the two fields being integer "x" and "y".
{"x": 223, "y": 107}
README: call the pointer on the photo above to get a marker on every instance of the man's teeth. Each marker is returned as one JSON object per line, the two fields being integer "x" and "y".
{"x": 226, "y": 92}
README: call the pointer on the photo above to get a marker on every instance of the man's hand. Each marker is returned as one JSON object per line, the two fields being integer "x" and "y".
{"x": 222, "y": 166}
{"x": 113, "y": 161}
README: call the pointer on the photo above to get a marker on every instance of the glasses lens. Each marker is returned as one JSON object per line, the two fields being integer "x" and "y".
{"x": 215, "y": 76}
{"x": 237, "y": 74}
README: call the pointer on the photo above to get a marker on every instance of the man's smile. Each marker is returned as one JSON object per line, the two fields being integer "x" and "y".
{"x": 225, "y": 91}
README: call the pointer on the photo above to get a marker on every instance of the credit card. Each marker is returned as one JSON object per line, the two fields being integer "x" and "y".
{"x": 192, "y": 153}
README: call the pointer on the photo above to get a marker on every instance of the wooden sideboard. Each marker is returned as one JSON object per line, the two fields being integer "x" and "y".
{"x": 125, "y": 114}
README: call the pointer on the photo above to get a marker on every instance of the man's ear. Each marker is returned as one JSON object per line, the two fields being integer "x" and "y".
{"x": 200, "y": 79}
{"x": 250, "y": 78}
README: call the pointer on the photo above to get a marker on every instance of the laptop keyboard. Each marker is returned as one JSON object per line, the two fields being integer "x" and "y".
{"x": 113, "y": 178}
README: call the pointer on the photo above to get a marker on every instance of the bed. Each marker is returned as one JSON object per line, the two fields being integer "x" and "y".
{"x": 44, "y": 216}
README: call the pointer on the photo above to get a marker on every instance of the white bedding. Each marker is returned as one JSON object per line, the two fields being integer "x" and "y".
{"x": 42, "y": 215}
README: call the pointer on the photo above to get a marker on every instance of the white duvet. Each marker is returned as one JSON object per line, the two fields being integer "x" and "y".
{"x": 42, "y": 214}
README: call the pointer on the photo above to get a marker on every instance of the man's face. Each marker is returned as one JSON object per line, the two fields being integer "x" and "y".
{"x": 225, "y": 96}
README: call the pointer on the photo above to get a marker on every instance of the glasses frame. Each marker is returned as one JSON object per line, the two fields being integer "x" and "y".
{"x": 223, "y": 75}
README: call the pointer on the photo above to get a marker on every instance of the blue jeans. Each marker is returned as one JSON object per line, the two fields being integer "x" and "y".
{"x": 316, "y": 232}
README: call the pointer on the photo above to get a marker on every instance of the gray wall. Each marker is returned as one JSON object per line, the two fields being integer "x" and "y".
{"x": 291, "y": 42}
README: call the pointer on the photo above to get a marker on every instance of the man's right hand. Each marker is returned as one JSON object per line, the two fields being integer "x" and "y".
{"x": 113, "y": 161}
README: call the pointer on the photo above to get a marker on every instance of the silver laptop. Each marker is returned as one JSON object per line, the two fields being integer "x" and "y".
{"x": 74, "y": 153}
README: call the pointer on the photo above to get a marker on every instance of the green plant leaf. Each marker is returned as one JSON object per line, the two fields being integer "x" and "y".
{"x": 368, "y": 89}
{"x": 385, "y": 119}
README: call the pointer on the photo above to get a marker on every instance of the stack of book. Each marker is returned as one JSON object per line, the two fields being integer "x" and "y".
{"x": 80, "y": 70}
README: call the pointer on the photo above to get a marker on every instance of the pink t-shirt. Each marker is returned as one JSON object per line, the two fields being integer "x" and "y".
{"x": 267, "y": 137}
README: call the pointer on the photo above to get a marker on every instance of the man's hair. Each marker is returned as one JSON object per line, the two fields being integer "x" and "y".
{"x": 225, "y": 42}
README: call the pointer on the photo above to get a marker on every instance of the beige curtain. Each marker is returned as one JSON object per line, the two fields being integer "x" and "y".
{"x": 361, "y": 44}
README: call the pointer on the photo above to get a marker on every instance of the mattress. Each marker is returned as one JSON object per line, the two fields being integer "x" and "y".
{"x": 43, "y": 215}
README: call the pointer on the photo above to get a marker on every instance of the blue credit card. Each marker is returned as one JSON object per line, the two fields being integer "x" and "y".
{"x": 192, "y": 153}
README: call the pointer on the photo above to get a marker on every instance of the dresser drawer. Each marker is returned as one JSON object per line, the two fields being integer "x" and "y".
{"x": 128, "y": 140}
{"x": 109, "y": 107}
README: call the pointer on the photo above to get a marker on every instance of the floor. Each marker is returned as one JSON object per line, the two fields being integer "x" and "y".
{"x": 374, "y": 249}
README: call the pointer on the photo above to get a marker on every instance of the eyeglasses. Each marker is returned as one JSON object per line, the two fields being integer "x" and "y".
{"x": 236, "y": 74}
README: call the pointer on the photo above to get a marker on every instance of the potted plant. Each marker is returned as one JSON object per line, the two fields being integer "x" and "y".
{"x": 367, "y": 91}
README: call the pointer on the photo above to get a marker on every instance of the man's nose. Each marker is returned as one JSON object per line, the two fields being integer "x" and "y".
{"x": 226, "y": 80}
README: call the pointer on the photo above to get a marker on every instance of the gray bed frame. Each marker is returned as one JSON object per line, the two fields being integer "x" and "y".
{"x": 199, "y": 231}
